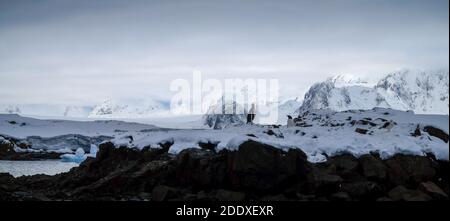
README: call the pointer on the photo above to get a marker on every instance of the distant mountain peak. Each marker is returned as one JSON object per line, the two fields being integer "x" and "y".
{"x": 347, "y": 80}
{"x": 420, "y": 91}
{"x": 128, "y": 109}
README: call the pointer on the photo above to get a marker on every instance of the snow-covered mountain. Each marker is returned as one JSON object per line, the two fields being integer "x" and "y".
{"x": 129, "y": 109}
{"x": 46, "y": 110}
{"x": 107, "y": 109}
{"x": 422, "y": 92}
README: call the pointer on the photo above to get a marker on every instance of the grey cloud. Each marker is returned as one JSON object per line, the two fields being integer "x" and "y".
{"x": 82, "y": 51}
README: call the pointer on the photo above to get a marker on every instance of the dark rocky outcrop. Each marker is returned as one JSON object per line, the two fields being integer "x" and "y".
{"x": 361, "y": 131}
{"x": 255, "y": 171}
{"x": 43, "y": 148}
{"x": 209, "y": 145}
{"x": 7, "y": 152}
{"x": 436, "y": 132}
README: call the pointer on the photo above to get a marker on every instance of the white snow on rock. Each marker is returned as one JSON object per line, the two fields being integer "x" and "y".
{"x": 324, "y": 133}
{"x": 422, "y": 92}
{"x": 321, "y": 133}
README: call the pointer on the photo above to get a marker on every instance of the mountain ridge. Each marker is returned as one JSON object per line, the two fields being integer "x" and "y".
{"x": 419, "y": 91}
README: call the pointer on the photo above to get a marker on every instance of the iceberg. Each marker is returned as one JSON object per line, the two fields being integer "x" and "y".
{"x": 80, "y": 155}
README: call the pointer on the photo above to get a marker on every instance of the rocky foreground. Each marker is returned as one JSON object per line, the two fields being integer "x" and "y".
{"x": 254, "y": 172}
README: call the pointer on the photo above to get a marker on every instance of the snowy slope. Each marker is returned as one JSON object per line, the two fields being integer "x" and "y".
{"x": 325, "y": 132}
{"x": 422, "y": 92}
{"x": 21, "y": 127}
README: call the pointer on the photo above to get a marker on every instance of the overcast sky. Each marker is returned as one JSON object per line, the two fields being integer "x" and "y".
{"x": 82, "y": 51}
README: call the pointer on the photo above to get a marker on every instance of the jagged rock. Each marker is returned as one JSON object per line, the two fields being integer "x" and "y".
{"x": 300, "y": 132}
{"x": 436, "y": 132}
{"x": 366, "y": 122}
{"x": 433, "y": 190}
{"x": 401, "y": 193}
{"x": 263, "y": 167}
{"x": 410, "y": 170}
{"x": 442, "y": 178}
{"x": 363, "y": 190}
{"x": 6, "y": 147}
{"x": 373, "y": 168}
{"x": 347, "y": 167}
{"x": 276, "y": 134}
{"x": 7, "y": 152}
{"x": 165, "y": 146}
{"x": 346, "y": 162}
{"x": 198, "y": 168}
{"x": 387, "y": 124}
{"x": 254, "y": 171}
{"x": 208, "y": 145}
{"x": 7, "y": 185}
{"x": 361, "y": 131}
{"x": 326, "y": 183}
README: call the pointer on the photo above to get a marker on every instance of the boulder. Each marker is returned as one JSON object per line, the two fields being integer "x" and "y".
{"x": 165, "y": 145}
{"x": 346, "y": 162}
{"x": 373, "y": 167}
{"x": 433, "y": 190}
{"x": 263, "y": 167}
{"x": 361, "y": 131}
{"x": 198, "y": 168}
{"x": 277, "y": 134}
{"x": 363, "y": 190}
{"x": 326, "y": 183}
{"x": 410, "y": 170}
{"x": 209, "y": 145}
{"x": 346, "y": 166}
